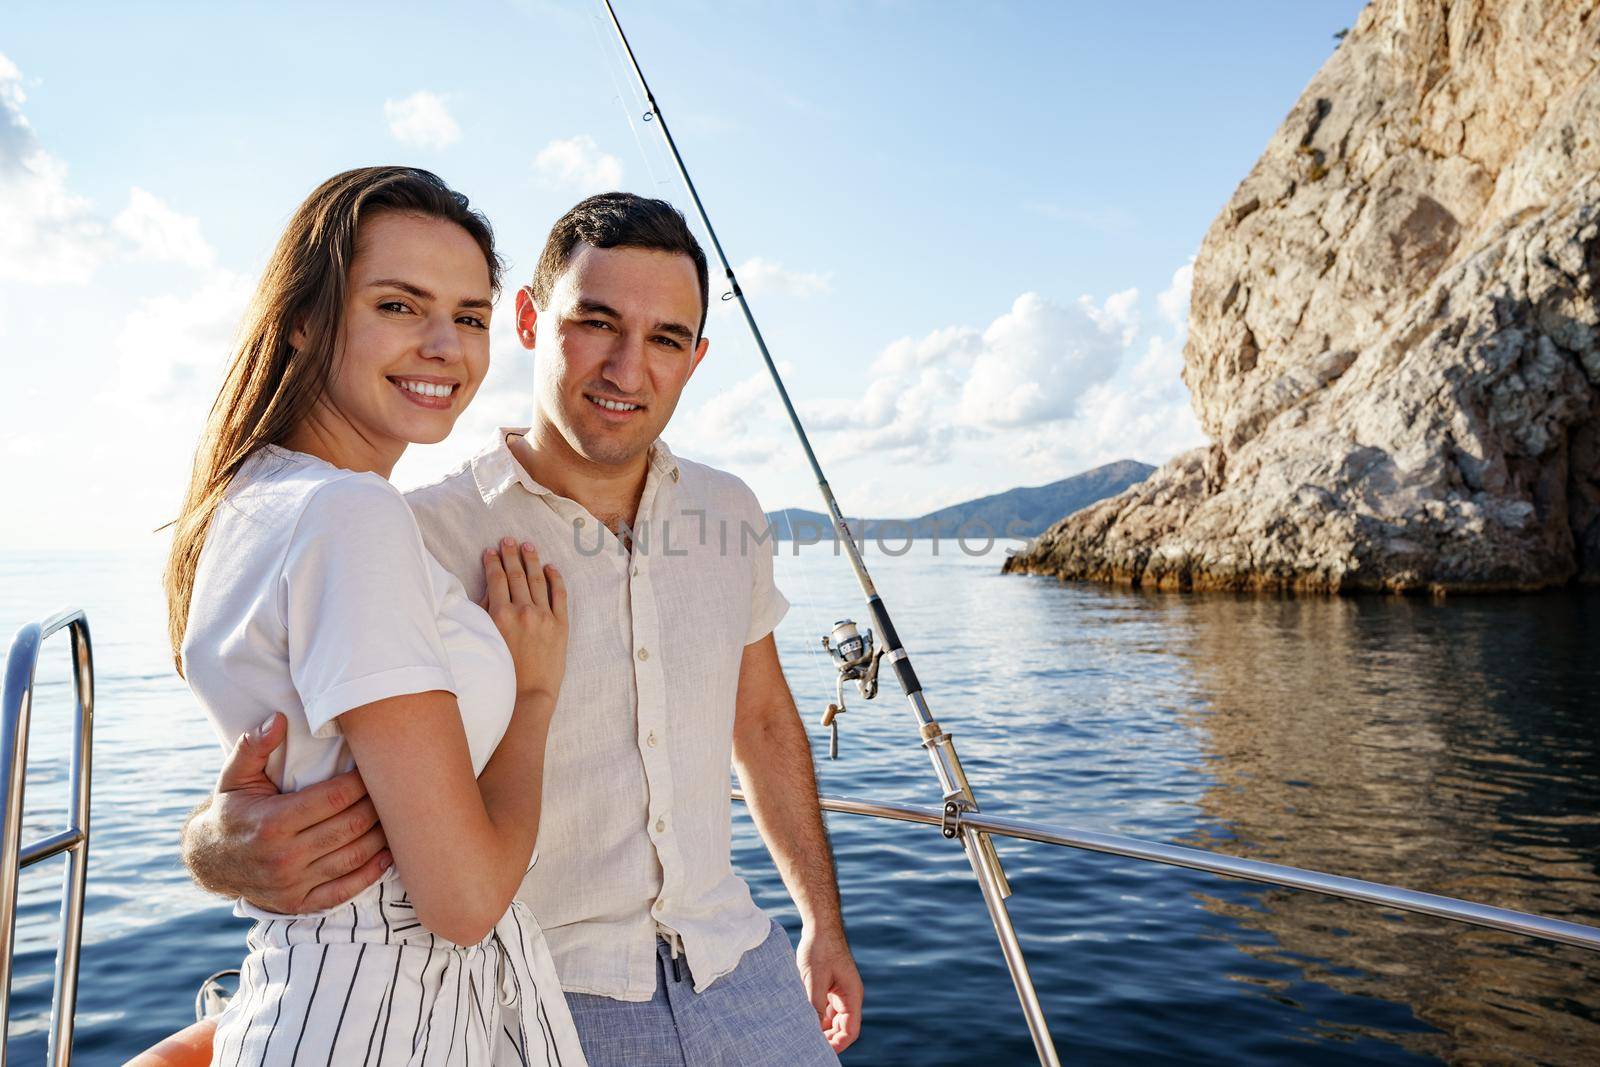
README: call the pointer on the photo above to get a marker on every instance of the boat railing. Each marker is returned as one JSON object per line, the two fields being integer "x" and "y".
{"x": 954, "y": 821}
{"x": 15, "y": 715}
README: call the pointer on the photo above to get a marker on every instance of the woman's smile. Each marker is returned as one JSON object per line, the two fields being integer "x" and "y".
{"x": 426, "y": 391}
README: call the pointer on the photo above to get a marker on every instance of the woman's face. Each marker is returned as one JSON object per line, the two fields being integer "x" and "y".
{"x": 414, "y": 342}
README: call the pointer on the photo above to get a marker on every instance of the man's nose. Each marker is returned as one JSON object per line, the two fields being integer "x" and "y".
{"x": 625, "y": 364}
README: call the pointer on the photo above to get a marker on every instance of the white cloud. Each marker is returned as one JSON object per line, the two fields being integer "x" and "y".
{"x": 577, "y": 165}
{"x": 1174, "y": 300}
{"x": 422, "y": 120}
{"x": 172, "y": 348}
{"x": 759, "y": 275}
{"x": 1040, "y": 357}
{"x": 1142, "y": 412}
{"x": 1043, "y": 391}
{"x": 742, "y": 424}
{"x": 47, "y": 234}
{"x": 160, "y": 234}
{"x": 1119, "y": 315}
{"x": 957, "y": 346}
{"x": 906, "y": 409}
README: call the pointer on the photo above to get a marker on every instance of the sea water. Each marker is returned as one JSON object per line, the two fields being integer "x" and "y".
{"x": 1449, "y": 746}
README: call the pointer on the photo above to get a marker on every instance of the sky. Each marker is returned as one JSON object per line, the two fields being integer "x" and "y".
{"x": 966, "y": 230}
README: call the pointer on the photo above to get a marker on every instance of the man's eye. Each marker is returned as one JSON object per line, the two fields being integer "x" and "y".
{"x": 601, "y": 324}
{"x": 671, "y": 342}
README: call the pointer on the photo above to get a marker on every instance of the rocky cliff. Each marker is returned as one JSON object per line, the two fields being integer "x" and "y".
{"x": 1394, "y": 337}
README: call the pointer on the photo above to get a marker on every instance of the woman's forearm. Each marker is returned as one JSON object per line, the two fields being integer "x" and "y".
{"x": 461, "y": 844}
{"x": 511, "y": 784}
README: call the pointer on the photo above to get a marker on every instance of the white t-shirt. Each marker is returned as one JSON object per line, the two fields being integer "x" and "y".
{"x": 314, "y": 595}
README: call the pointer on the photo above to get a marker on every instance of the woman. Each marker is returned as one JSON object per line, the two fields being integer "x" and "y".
{"x": 298, "y": 581}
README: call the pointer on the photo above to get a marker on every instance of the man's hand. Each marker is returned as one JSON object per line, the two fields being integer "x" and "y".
{"x": 773, "y": 758}
{"x": 284, "y": 852}
{"x": 833, "y": 985}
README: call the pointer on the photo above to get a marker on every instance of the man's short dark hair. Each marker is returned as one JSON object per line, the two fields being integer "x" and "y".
{"x": 618, "y": 220}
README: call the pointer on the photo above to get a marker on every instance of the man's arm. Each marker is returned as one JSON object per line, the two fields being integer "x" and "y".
{"x": 773, "y": 758}
{"x": 283, "y": 852}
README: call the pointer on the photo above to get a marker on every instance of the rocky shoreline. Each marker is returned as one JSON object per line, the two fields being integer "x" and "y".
{"x": 1394, "y": 339}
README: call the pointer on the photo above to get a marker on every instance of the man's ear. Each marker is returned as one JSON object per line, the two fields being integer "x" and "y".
{"x": 699, "y": 354}
{"x": 527, "y": 317}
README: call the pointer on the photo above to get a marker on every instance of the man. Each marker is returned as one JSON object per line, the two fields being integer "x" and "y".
{"x": 672, "y": 672}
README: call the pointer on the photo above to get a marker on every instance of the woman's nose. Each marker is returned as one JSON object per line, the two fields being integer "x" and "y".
{"x": 442, "y": 340}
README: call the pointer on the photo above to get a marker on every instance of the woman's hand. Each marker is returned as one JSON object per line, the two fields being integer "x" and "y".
{"x": 528, "y": 602}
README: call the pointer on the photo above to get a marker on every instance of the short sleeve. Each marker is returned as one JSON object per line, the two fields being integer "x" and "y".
{"x": 359, "y": 604}
{"x": 768, "y": 606}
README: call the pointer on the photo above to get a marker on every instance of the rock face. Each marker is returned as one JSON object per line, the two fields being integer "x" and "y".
{"x": 1394, "y": 337}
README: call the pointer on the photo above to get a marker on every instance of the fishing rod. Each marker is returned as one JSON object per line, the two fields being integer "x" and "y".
{"x": 958, "y": 795}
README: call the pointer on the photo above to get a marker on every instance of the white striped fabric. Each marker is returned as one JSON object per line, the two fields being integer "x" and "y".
{"x": 365, "y": 983}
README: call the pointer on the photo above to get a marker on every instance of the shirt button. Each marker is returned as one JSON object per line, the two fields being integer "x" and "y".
{"x": 651, "y": 740}
{"x": 661, "y": 825}
{"x": 644, "y": 653}
{"x": 578, "y": 522}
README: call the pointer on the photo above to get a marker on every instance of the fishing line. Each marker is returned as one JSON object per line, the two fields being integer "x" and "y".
{"x": 940, "y": 747}
{"x": 811, "y": 614}
{"x": 608, "y": 48}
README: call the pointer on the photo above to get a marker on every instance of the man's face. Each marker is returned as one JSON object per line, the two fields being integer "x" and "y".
{"x": 615, "y": 348}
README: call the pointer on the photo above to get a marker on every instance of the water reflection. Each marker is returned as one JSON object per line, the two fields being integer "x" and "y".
{"x": 1452, "y": 748}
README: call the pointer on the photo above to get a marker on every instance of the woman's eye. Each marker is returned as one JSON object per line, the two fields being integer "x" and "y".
{"x": 599, "y": 324}
{"x": 474, "y": 321}
{"x": 395, "y": 306}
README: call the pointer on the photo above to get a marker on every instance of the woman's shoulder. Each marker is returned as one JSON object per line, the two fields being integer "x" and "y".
{"x": 291, "y": 489}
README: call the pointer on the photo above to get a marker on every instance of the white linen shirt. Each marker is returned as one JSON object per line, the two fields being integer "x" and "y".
{"x": 636, "y": 822}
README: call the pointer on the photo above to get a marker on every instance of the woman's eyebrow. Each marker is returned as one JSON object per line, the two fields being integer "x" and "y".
{"x": 402, "y": 285}
{"x": 423, "y": 294}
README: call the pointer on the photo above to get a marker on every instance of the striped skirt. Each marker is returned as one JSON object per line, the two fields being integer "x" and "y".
{"x": 365, "y": 983}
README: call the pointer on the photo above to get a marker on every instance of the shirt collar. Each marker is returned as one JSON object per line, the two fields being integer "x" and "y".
{"x": 495, "y": 470}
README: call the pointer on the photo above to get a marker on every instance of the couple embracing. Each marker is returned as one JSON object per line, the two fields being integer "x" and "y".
{"x": 477, "y": 799}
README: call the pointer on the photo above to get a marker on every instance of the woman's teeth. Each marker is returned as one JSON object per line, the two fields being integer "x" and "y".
{"x": 614, "y": 405}
{"x": 424, "y": 388}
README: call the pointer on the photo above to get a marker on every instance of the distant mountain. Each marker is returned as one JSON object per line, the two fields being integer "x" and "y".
{"x": 1026, "y": 511}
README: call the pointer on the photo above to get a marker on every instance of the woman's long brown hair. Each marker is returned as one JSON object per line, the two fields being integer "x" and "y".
{"x": 271, "y": 385}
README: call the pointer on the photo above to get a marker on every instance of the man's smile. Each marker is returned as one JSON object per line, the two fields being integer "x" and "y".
{"x": 614, "y": 409}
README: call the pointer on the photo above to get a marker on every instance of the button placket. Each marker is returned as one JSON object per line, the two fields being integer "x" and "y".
{"x": 650, "y": 684}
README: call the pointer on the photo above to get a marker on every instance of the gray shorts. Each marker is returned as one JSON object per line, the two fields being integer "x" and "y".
{"x": 755, "y": 1016}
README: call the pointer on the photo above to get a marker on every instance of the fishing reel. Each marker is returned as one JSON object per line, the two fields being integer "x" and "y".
{"x": 857, "y": 660}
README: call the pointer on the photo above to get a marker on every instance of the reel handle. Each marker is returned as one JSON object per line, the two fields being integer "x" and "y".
{"x": 830, "y": 719}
